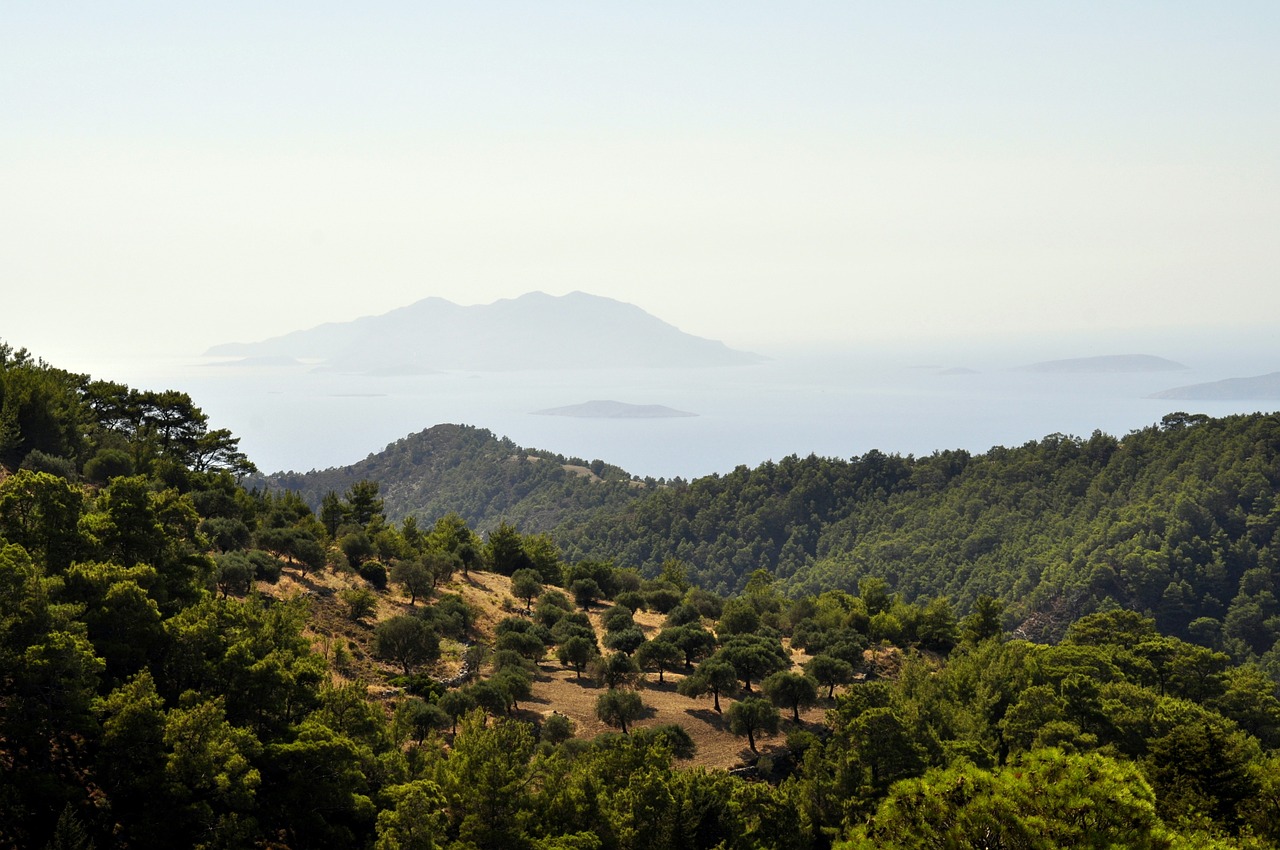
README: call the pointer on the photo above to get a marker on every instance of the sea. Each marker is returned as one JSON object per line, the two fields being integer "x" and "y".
{"x": 909, "y": 398}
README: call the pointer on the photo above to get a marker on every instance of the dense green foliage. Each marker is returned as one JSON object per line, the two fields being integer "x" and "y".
{"x": 56, "y": 421}
{"x": 728, "y": 526}
{"x": 151, "y": 697}
{"x": 1179, "y": 521}
{"x": 468, "y": 471}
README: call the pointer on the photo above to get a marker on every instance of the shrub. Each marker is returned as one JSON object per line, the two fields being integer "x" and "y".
{"x": 617, "y": 618}
{"x": 626, "y": 641}
{"x": 343, "y": 660}
{"x": 419, "y": 685}
{"x": 682, "y": 615}
{"x": 708, "y": 604}
{"x": 360, "y": 603}
{"x": 108, "y": 464}
{"x": 265, "y": 567}
{"x": 633, "y": 599}
{"x": 618, "y": 708}
{"x": 557, "y": 729}
{"x": 555, "y": 598}
{"x": 450, "y": 615}
{"x": 38, "y": 461}
{"x": 662, "y": 599}
{"x": 522, "y": 643}
{"x": 374, "y": 572}
{"x": 406, "y": 640}
{"x": 233, "y": 573}
{"x": 357, "y": 547}
{"x": 225, "y": 534}
{"x": 504, "y": 658}
{"x": 585, "y": 592}
{"x": 682, "y": 746}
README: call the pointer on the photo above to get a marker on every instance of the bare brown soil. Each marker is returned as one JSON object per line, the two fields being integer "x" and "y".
{"x": 556, "y": 688}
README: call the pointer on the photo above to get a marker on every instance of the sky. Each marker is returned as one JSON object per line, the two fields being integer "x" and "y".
{"x": 174, "y": 176}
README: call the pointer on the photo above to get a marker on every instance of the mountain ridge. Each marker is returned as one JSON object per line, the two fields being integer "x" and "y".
{"x": 1260, "y": 387}
{"x": 532, "y": 331}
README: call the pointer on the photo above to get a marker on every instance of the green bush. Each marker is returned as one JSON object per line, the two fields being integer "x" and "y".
{"x": 420, "y": 685}
{"x": 38, "y": 461}
{"x": 633, "y": 599}
{"x": 108, "y": 464}
{"x": 374, "y": 572}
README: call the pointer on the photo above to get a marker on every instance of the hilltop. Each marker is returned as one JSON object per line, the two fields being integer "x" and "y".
{"x": 470, "y": 471}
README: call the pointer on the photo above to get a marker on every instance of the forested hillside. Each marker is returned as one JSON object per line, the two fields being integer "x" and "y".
{"x": 187, "y": 663}
{"x": 468, "y": 471}
{"x": 1178, "y": 520}
{"x": 771, "y": 517}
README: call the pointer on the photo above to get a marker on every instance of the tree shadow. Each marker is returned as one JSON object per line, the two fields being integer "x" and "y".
{"x": 708, "y": 716}
{"x": 528, "y": 715}
{"x": 312, "y": 586}
{"x": 667, "y": 687}
{"x": 544, "y": 672}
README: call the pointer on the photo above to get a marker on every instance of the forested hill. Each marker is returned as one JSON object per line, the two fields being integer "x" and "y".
{"x": 186, "y": 663}
{"x": 1178, "y": 519}
{"x": 468, "y": 471}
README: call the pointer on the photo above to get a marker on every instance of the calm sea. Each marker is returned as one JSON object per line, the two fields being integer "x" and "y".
{"x": 908, "y": 400}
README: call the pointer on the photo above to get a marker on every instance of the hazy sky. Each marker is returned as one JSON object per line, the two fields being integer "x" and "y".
{"x": 175, "y": 175}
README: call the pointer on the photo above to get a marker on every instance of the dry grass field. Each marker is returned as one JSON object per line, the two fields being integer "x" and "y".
{"x": 555, "y": 688}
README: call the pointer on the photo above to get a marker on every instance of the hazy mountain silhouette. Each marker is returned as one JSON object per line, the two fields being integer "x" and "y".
{"x": 1261, "y": 387}
{"x": 534, "y": 331}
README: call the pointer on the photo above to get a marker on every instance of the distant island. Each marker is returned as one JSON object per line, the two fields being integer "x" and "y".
{"x": 534, "y": 331}
{"x": 1108, "y": 363}
{"x": 1261, "y": 387}
{"x": 615, "y": 410}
